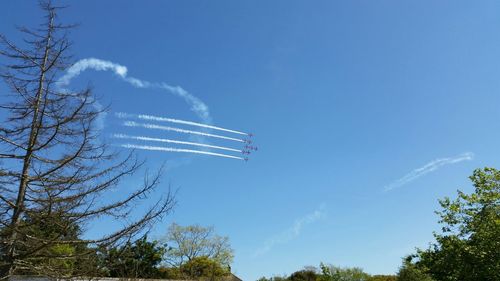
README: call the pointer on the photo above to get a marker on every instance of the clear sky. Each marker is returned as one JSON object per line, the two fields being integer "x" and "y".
{"x": 365, "y": 114}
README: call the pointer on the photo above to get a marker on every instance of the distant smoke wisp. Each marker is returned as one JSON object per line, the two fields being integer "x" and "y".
{"x": 197, "y": 106}
{"x": 292, "y": 232}
{"x": 428, "y": 168}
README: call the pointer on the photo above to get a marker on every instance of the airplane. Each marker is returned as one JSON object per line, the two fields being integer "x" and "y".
{"x": 245, "y": 152}
{"x": 246, "y": 159}
{"x": 249, "y": 147}
{"x": 248, "y": 141}
{"x": 250, "y": 134}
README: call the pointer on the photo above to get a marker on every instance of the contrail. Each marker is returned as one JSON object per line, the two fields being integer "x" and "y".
{"x": 291, "y": 233}
{"x": 173, "y": 129}
{"x": 171, "y": 149}
{"x": 427, "y": 168}
{"x": 122, "y": 136}
{"x": 177, "y": 121}
{"x": 197, "y": 106}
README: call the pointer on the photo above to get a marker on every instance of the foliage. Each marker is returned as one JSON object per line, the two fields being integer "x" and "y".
{"x": 144, "y": 259}
{"x": 329, "y": 273}
{"x": 304, "y": 275}
{"x": 382, "y": 278}
{"x": 188, "y": 242}
{"x": 55, "y": 169}
{"x": 335, "y": 273}
{"x": 410, "y": 272}
{"x": 76, "y": 256}
{"x": 203, "y": 267}
{"x": 138, "y": 260}
{"x": 468, "y": 247}
{"x": 274, "y": 278}
{"x": 172, "y": 273}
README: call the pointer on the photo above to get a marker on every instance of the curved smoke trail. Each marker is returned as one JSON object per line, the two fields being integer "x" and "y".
{"x": 197, "y": 106}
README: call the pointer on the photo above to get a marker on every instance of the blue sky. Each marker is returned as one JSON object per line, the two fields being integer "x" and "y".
{"x": 345, "y": 98}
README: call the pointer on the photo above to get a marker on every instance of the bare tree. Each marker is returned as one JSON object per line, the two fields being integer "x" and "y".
{"x": 184, "y": 243}
{"x": 55, "y": 171}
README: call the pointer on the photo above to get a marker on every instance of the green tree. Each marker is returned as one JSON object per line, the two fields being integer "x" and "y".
{"x": 274, "y": 278}
{"x": 410, "y": 272}
{"x": 204, "y": 268}
{"x": 188, "y": 242}
{"x": 335, "y": 273}
{"x": 53, "y": 228}
{"x": 469, "y": 246}
{"x": 172, "y": 273}
{"x": 59, "y": 257}
{"x": 304, "y": 275}
{"x": 382, "y": 278}
{"x": 133, "y": 260}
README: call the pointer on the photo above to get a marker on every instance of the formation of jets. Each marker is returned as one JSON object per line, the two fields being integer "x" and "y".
{"x": 248, "y": 148}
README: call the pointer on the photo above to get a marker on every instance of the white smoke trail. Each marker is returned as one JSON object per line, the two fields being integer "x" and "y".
{"x": 122, "y": 136}
{"x": 292, "y": 232}
{"x": 177, "y": 121}
{"x": 173, "y": 129}
{"x": 197, "y": 106}
{"x": 171, "y": 149}
{"x": 427, "y": 168}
